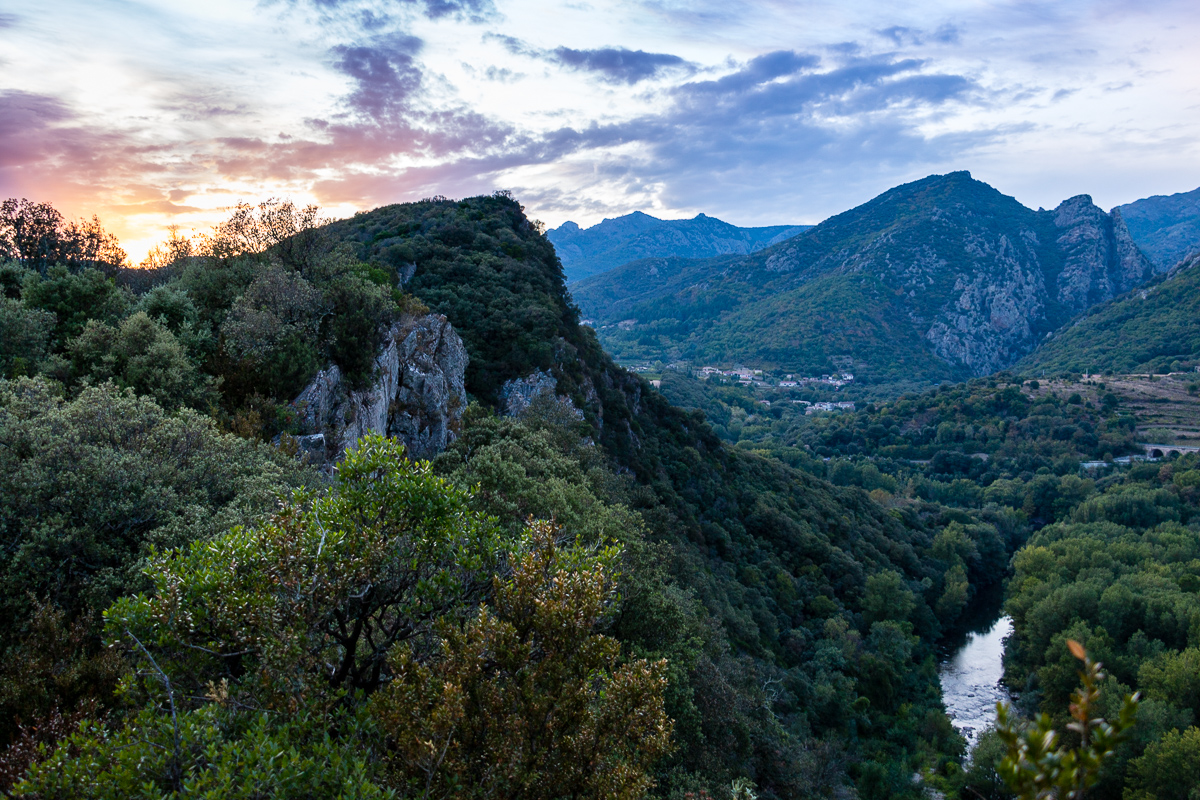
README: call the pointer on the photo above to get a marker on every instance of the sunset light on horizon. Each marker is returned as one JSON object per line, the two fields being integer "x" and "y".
{"x": 157, "y": 114}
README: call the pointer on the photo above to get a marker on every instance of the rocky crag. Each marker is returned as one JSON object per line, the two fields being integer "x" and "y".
{"x": 418, "y": 395}
{"x": 944, "y": 278}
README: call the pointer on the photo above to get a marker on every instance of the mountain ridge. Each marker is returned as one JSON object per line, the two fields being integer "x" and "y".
{"x": 1153, "y": 328}
{"x": 946, "y": 266}
{"x": 613, "y": 242}
{"x": 1166, "y": 227}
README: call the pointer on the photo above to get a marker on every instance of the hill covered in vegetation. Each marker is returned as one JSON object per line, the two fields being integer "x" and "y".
{"x": 1106, "y": 554}
{"x": 938, "y": 279}
{"x": 736, "y": 619}
{"x": 613, "y": 242}
{"x": 1154, "y": 329}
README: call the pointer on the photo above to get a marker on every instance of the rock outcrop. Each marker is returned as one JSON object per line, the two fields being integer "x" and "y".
{"x": 418, "y": 395}
{"x": 1100, "y": 260}
{"x": 520, "y": 395}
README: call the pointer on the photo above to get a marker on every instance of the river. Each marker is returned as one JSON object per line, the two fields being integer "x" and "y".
{"x": 970, "y": 679}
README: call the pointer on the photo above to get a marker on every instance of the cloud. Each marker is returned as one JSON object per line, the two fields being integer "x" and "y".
{"x": 469, "y": 10}
{"x": 385, "y": 73}
{"x": 902, "y": 36}
{"x": 619, "y": 65}
{"x": 8, "y": 20}
{"x": 613, "y": 64}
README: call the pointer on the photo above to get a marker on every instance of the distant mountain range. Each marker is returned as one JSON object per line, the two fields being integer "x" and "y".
{"x": 613, "y": 242}
{"x": 1155, "y": 328}
{"x": 1166, "y": 228}
{"x": 938, "y": 279}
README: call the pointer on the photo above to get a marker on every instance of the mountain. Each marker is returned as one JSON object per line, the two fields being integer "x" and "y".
{"x": 1155, "y": 328}
{"x": 938, "y": 279}
{"x": 784, "y": 565}
{"x": 791, "y": 625}
{"x": 1165, "y": 227}
{"x": 613, "y": 242}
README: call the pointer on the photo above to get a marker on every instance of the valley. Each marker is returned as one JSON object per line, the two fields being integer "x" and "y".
{"x": 775, "y": 545}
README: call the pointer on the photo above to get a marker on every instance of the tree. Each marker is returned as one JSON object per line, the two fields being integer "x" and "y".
{"x": 37, "y": 236}
{"x": 143, "y": 355}
{"x": 1169, "y": 769}
{"x": 308, "y": 604}
{"x": 529, "y": 700}
{"x": 93, "y": 484}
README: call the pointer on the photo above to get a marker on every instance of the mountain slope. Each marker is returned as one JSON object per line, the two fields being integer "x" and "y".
{"x": 613, "y": 242}
{"x": 1165, "y": 227}
{"x": 1153, "y": 329}
{"x": 936, "y": 279}
{"x": 788, "y": 567}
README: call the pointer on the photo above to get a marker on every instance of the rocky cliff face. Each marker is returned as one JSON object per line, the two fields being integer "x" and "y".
{"x": 1020, "y": 286}
{"x": 1100, "y": 259}
{"x": 418, "y": 395}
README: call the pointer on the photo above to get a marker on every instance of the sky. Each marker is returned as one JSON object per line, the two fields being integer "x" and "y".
{"x": 153, "y": 114}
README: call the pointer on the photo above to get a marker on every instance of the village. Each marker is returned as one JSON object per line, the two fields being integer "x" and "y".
{"x": 760, "y": 379}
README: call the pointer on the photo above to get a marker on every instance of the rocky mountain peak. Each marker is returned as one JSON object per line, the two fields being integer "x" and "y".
{"x": 1100, "y": 259}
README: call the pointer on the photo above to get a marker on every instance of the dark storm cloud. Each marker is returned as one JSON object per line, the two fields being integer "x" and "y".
{"x": 611, "y": 64}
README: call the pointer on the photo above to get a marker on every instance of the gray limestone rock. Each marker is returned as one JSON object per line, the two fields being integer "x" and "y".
{"x": 520, "y": 395}
{"x": 418, "y": 394}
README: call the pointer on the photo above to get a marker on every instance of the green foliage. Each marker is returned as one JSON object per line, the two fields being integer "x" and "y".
{"x": 213, "y": 751}
{"x": 24, "y": 338}
{"x": 74, "y": 298}
{"x": 529, "y": 700}
{"x": 311, "y": 602}
{"x": 480, "y": 262}
{"x": 143, "y": 355}
{"x": 1035, "y": 768}
{"x": 93, "y": 484}
{"x": 1169, "y": 769}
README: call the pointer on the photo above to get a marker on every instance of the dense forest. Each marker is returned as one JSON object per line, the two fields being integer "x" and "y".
{"x": 609, "y": 603}
{"x": 1105, "y": 554}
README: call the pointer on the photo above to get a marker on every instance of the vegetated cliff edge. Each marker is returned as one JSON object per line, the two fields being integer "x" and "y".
{"x": 589, "y": 251}
{"x": 787, "y": 565}
{"x": 941, "y": 278}
{"x": 417, "y": 395}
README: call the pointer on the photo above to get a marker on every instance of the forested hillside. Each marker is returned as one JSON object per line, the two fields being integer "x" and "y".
{"x": 1154, "y": 329}
{"x": 939, "y": 279}
{"x": 1106, "y": 555}
{"x": 734, "y": 620}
